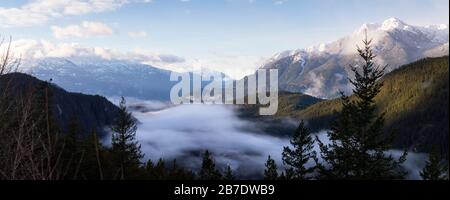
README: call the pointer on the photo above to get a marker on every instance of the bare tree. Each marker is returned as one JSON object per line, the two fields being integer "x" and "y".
{"x": 30, "y": 148}
{"x": 8, "y": 62}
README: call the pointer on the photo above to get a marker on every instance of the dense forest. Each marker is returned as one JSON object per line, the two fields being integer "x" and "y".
{"x": 414, "y": 101}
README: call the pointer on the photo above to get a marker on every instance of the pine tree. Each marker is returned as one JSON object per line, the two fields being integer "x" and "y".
{"x": 178, "y": 173}
{"x": 124, "y": 145}
{"x": 72, "y": 154}
{"x": 270, "y": 173}
{"x": 435, "y": 169}
{"x": 282, "y": 177}
{"x": 73, "y": 135}
{"x": 228, "y": 174}
{"x": 46, "y": 135}
{"x": 358, "y": 143}
{"x": 98, "y": 148}
{"x": 156, "y": 171}
{"x": 208, "y": 170}
{"x": 302, "y": 153}
{"x": 92, "y": 167}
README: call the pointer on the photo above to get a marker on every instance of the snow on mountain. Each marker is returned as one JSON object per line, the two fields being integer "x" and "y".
{"x": 322, "y": 70}
{"x": 92, "y": 75}
{"x": 108, "y": 77}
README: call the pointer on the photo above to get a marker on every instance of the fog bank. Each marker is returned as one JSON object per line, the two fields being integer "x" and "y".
{"x": 183, "y": 132}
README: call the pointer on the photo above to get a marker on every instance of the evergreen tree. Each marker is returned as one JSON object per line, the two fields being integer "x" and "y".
{"x": 46, "y": 134}
{"x": 435, "y": 169}
{"x": 72, "y": 154}
{"x": 358, "y": 143}
{"x": 156, "y": 171}
{"x": 270, "y": 173}
{"x": 124, "y": 145}
{"x": 282, "y": 177}
{"x": 228, "y": 174}
{"x": 178, "y": 173}
{"x": 73, "y": 135}
{"x": 298, "y": 157}
{"x": 208, "y": 170}
{"x": 93, "y": 162}
{"x": 149, "y": 167}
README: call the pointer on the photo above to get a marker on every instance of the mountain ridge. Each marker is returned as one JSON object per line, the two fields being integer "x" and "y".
{"x": 90, "y": 111}
{"x": 322, "y": 70}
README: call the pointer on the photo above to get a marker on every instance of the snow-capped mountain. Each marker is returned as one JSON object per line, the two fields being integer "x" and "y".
{"x": 104, "y": 77}
{"x": 108, "y": 77}
{"x": 322, "y": 70}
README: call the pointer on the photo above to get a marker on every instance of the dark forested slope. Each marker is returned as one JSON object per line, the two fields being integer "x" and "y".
{"x": 415, "y": 101}
{"x": 90, "y": 111}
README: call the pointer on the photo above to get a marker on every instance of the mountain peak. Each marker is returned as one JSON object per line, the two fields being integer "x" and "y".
{"x": 393, "y": 23}
{"x": 387, "y": 25}
{"x": 320, "y": 70}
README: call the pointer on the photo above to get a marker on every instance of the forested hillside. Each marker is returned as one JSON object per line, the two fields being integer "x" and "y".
{"x": 414, "y": 99}
{"x": 90, "y": 111}
{"x": 279, "y": 125}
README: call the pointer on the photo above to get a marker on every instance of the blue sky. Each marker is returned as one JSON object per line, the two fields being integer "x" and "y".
{"x": 209, "y": 29}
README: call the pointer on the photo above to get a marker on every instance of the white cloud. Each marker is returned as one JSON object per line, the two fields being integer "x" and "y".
{"x": 85, "y": 29}
{"x": 37, "y": 12}
{"x": 139, "y": 34}
{"x": 233, "y": 141}
{"x": 316, "y": 87}
{"x": 236, "y": 66}
{"x": 228, "y": 139}
{"x": 33, "y": 49}
{"x": 19, "y": 17}
{"x": 279, "y": 2}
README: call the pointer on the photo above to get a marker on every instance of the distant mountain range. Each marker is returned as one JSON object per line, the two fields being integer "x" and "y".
{"x": 322, "y": 70}
{"x": 88, "y": 110}
{"x": 110, "y": 78}
{"x": 104, "y": 77}
{"x": 319, "y": 71}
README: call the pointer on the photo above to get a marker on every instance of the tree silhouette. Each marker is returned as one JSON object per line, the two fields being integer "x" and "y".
{"x": 270, "y": 173}
{"x": 124, "y": 145}
{"x": 358, "y": 143}
{"x": 300, "y": 155}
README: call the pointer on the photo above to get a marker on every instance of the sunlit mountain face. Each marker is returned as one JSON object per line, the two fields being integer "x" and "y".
{"x": 322, "y": 70}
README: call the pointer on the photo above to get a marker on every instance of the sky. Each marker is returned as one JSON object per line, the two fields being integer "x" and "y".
{"x": 233, "y": 36}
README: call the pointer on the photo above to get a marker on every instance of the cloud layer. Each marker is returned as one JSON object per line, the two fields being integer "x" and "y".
{"x": 33, "y": 49}
{"x": 139, "y": 34}
{"x": 233, "y": 65}
{"x": 183, "y": 132}
{"x": 37, "y": 12}
{"x": 85, "y": 29}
